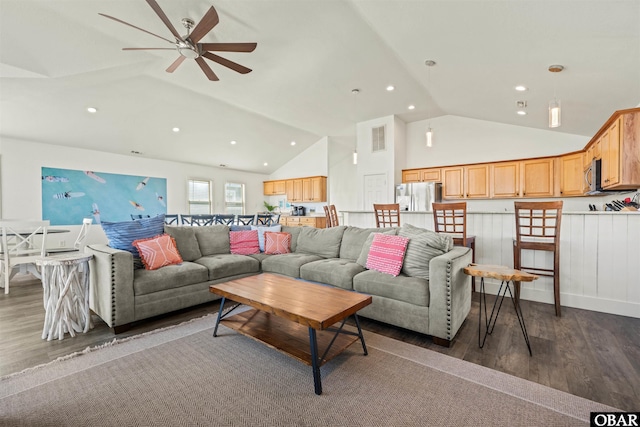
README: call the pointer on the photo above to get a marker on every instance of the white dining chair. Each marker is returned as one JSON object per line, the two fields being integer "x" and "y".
{"x": 78, "y": 245}
{"x": 23, "y": 242}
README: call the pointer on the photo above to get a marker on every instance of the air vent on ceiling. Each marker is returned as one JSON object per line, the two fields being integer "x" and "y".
{"x": 377, "y": 139}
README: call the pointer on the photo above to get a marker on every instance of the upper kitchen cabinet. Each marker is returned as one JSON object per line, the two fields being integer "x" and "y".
{"x": 466, "y": 182}
{"x": 314, "y": 189}
{"x": 504, "y": 180}
{"x": 274, "y": 188}
{"x": 572, "y": 175}
{"x": 537, "y": 177}
{"x": 421, "y": 175}
{"x": 620, "y": 150}
{"x": 311, "y": 189}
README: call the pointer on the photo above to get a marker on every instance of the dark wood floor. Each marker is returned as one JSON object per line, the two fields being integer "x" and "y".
{"x": 585, "y": 353}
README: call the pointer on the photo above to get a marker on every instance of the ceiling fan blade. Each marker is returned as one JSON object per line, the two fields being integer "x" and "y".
{"x": 208, "y": 21}
{"x": 175, "y": 64}
{"x": 228, "y": 47}
{"x": 137, "y": 28}
{"x": 229, "y": 64}
{"x": 148, "y": 48}
{"x": 156, "y": 8}
{"x": 206, "y": 69}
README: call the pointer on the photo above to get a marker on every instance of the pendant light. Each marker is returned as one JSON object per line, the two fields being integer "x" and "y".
{"x": 429, "y": 135}
{"x": 554, "y": 106}
{"x": 355, "y": 93}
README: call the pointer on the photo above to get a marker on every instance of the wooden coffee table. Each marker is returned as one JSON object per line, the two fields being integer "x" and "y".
{"x": 293, "y": 316}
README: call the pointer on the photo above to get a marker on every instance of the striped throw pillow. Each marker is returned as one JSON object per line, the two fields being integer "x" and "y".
{"x": 244, "y": 242}
{"x": 277, "y": 243}
{"x": 387, "y": 253}
{"x": 424, "y": 245}
{"x": 158, "y": 251}
{"x": 122, "y": 234}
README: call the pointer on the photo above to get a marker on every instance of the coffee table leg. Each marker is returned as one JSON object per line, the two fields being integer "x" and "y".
{"x": 315, "y": 363}
{"x": 364, "y": 346}
{"x": 215, "y": 330}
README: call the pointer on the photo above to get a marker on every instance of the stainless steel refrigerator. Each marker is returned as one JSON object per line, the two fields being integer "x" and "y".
{"x": 418, "y": 196}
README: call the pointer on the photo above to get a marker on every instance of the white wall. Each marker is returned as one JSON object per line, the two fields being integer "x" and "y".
{"x": 21, "y": 164}
{"x": 342, "y": 185}
{"x": 460, "y": 140}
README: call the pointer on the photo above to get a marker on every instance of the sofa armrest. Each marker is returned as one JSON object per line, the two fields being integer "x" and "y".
{"x": 111, "y": 284}
{"x": 450, "y": 292}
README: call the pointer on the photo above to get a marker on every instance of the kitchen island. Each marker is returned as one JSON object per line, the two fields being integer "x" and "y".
{"x": 599, "y": 255}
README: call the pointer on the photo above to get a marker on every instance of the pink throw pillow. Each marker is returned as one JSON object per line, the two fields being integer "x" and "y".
{"x": 387, "y": 253}
{"x": 158, "y": 251}
{"x": 277, "y": 242}
{"x": 244, "y": 242}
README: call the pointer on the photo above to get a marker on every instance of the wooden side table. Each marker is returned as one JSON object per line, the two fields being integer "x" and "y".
{"x": 65, "y": 281}
{"x": 507, "y": 276}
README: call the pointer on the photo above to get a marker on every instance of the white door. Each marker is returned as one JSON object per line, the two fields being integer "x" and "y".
{"x": 375, "y": 190}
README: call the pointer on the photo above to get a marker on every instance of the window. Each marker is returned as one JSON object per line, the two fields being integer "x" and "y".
{"x": 234, "y": 198}
{"x": 200, "y": 196}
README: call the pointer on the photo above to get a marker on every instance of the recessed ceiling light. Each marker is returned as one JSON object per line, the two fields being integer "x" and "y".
{"x": 521, "y": 88}
{"x": 390, "y": 88}
{"x": 411, "y": 107}
{"x": 92, "y": 110}
{"x": 176, "y": 129}
{"x": 266, "y": 164}
{"x": 293, "y": 143}
{"x": 233, "y": 142}
{"x": 521, "y": 113}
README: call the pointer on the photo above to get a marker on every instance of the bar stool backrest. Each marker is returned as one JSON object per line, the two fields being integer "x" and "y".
{"x": 451, "y": 218}
{"x": 387, "y": 215}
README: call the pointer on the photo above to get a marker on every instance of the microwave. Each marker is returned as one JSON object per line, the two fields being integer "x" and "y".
{"x": 593, "y": 177}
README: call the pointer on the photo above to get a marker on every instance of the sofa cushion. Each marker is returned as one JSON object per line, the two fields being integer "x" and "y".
{"x": 244, "y": 242}
{"x": 168, "y": 277}
{"x": 287, "y": 264}
{"x": 324, "y": 242}
{"x": 122, "y": 234}
{"x": 337, "y": 272}
{"x": 213, "y": 239}
{"x": 276, "y": 243}
{"x": 295, "y": 233}
{"x": 387, "y": 253}
{"x": 353, "y": 240}
{"x": 262, "y": 230}
{"x": 414, "y": 290}
{"x": 227, "y": 265}
{"x": 158, "y": 251}
{"x": 424, "y": 245}
{"x": 364, "y": 252}
{"x": 186, "y": 241}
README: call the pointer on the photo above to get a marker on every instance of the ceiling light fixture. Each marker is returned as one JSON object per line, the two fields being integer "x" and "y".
{"x": 411, "y": 107}
{"x": 521, "y": 88}
{"x": 390, "y": 88}
{"x": 429, "y": 134}
{"x": 293, "y": 143}
{"x": 176, "y": 130}
{"x": 266, "y": 164}
{"x": 355, "y": 92}
{"x": 554, "y": 106}
{"x": 521, "y": 108}
{"x": 233, "y": 142}
{"x": 92, "y": 110}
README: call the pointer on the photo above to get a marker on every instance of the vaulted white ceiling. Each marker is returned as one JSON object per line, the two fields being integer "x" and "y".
{"x": 58, "y": 57}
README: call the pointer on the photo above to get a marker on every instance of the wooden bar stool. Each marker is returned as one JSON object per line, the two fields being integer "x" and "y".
{"x": 327, "y": 216}
{"x": 451, "y": 218}
{"x": 334, "y": 216}
{"x": 387, "y": 215}
{"x": 538, "y": 229}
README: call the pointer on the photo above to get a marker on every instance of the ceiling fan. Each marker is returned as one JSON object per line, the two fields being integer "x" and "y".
{"x": 188, "y": 46}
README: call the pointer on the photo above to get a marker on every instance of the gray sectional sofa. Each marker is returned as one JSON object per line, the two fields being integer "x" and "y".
{"x": 434, "y": 298}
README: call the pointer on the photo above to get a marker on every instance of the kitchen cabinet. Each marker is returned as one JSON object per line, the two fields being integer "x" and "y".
{"x": 504, "y": 181}
{"x": 314, "y": 189}
{"x": 572, "y": 175}
{"x": 466, "y": 182}
{"x": 537, "y": 177}
{"x": 592, "y": 153}
{"x": 421, "y": 175}
{"x": 453, "y": 183}
{"x": 620, "y": 150}
{"x": 274, "y": 188}
{"x": 303, "y": 221}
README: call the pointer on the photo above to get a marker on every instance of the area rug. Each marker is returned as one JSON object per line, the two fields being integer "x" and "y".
{"x": 182, "y": 376}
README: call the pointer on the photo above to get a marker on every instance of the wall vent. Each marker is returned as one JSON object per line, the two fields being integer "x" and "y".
{"x": 377, "y": 139}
